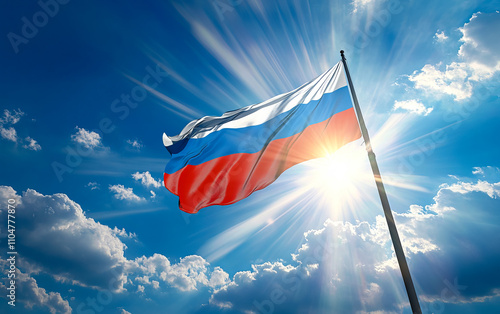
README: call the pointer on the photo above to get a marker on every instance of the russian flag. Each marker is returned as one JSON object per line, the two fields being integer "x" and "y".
{"x": 221, "y": 160}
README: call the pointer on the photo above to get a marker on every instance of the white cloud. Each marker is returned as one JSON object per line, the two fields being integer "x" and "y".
{"x": 466, "y": 216}
{"x": 412, "y": 106}
{"x": 360, "y": 4}
{"x": 123, "y": 193}
{"x": 481, "y": 45}
{"x": 7, "y": 121}
{"x": 491, "y": 189}
{"x": 453, "y": 80}
{"x": 486, "y": 172}
{"x": 125, "y": 312}
{"x": 479, "y": 60}
{"x": 440, "y": 36}
{"x": 478, "y": 170}
{"x": 32, "y": 144}
{"x": 147, "y": 180}
{"x": 219, "y": 278}
{"x": 54, "y": 228}
{"x": 189, "y": 274}
{"x": 144, "y": 279}
{"x": 156, "y": 284}
{"x": 11, "y": 117}
{"x": 124, "y": 234}
{"x": 153, "y": 194}
{"x": 93, "y": 185}
{"x": 8, "y": 133}
{"x": 88, "y": 139}
{"x": 324, "y": 263}
{"x": 31, "y": 295}
{"x": 135, "y": 144}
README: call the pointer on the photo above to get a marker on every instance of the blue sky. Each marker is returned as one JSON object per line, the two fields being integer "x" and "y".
{"x": 88, "y": 89}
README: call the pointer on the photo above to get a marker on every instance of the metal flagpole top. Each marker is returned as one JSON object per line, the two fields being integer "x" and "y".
{"x": 362, "y": 125}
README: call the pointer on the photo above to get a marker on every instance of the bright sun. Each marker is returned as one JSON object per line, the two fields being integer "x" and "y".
{"x": 337, "y": 179}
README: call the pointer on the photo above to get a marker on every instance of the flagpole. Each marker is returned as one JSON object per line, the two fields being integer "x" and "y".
{"x": 398, "y": 248}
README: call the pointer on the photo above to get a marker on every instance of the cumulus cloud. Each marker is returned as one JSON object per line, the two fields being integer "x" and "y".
{"x": 452, "y": 80}
{"x": 459, "y": 221}
{"x": 135, "y": 144}
{"x": 478, "y": 60}
{"x": 412, "y": 106}
{"x": 31, "y": 144}
{"x": 156, "y": 284}
{"x": 491, "y": 189}
{"x": 88, "y": 139}
{"x": 8, "y": 132}
{"x": 219, "y": 278}
{"x": 444, "y": 243}
{"x": 190, "y": 273}
{"x": 147, "y": 180}
{"x": 440, "y": 36}
{"x": 322, "y": 277}
{"x": 123, "y": 193}
{"x": 54, "y": 228}
{"x": 124, "y": 234}
{"x": 11, "y": 117}
{"x": 480, "y": 44}
{"x": 140, "y": 288}
{"x": 32, "y": 296}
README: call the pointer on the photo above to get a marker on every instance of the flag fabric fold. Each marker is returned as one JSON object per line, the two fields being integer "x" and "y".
{"x": 221, "y": 160}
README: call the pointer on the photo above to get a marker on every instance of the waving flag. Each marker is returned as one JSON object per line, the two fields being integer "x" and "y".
{"x": 221, "y": 160}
